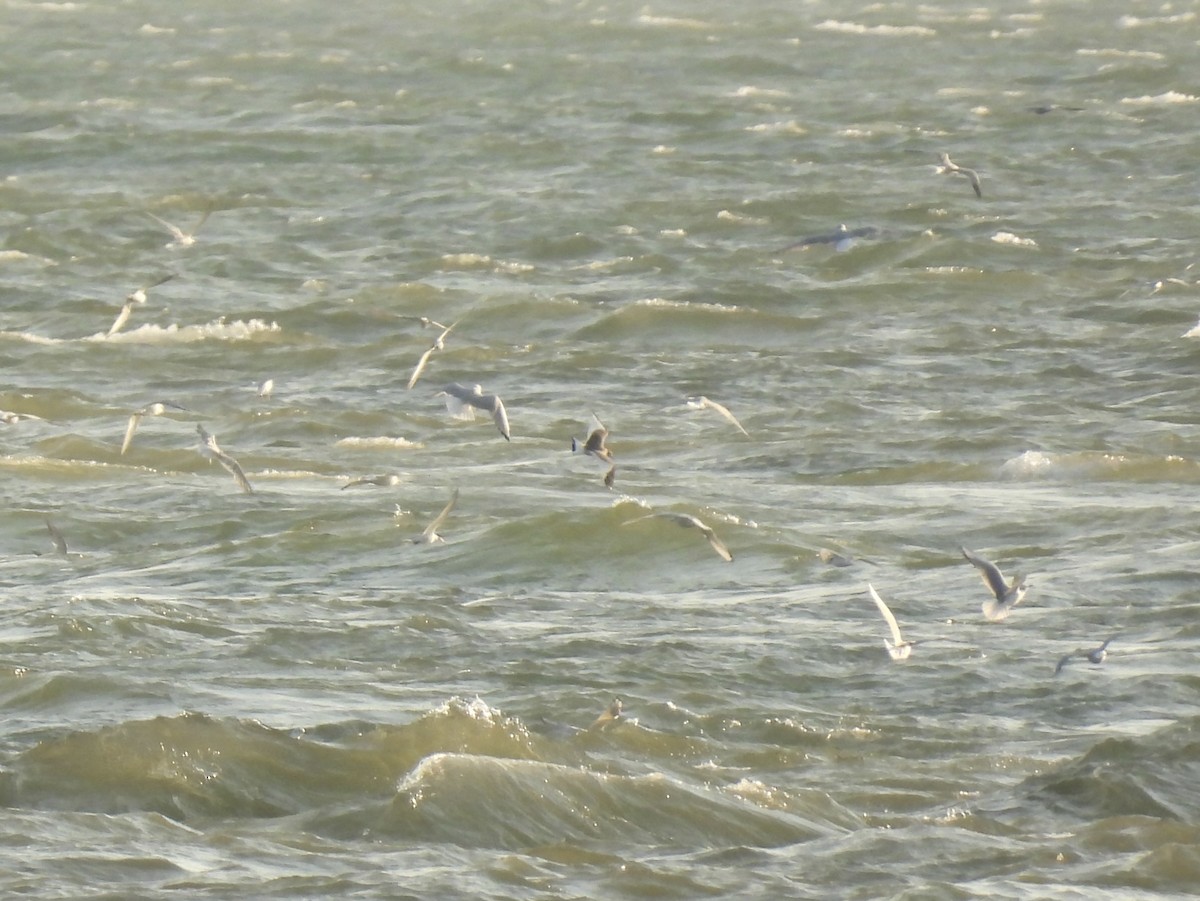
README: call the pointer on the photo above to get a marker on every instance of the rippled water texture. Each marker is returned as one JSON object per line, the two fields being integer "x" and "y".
{"x": 282, "y": 692}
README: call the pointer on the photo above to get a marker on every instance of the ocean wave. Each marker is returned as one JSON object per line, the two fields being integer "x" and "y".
{"x": 1093, "y": 465}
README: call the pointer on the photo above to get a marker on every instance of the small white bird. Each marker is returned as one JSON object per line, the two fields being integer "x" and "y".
{"x": 462, "y": 402}
{"x": 210, "y": 449}
{"x": 430, "y": 535}
{"x": 438, "y": 344}
{"x": 138, "y": 296}
{"x": 158, "y": 408}
{"x": 266, "y": 389}
{"x": 686, "y": 520}
{"x": 898, "y": 648}
{"x": 1007, "y": 594}
{"x": 949, "y": 168}
{"x": 180, "y": 237}
{"x": 700, "y": 402}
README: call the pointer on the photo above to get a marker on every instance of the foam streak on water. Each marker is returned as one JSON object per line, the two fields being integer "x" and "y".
{"x": 621, "y": 206}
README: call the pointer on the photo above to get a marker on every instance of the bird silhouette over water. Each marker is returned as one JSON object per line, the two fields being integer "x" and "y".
{"x": 949, "y": 168}
{"x": 462, "y": 401}
{"x": 1096, "y": 655}
{"x": 1006, "y": 594}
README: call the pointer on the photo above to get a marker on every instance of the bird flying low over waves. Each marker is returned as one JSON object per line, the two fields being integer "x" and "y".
{"x": 1007, "y": 594}
{"x": 610, "y": 717}
{"x": 438, "y": 344}
{"x": 949, "y": 168}
{"x": 210, "y": 449}
{"x": 462, "y": 402}
{"x": 1096, "y": 655}
{"x": 179, "y": 236}
{"x": 596, "y": 446}
{"x": 158, "y": 408}
{"x": 842, "y": 238}
{"x": 686, "y": 520}
{"x": 138, "y": 296}
{"x": 898, "y": 648}
{"x": 700, "y": 402}
{"x": 430, "y": 535}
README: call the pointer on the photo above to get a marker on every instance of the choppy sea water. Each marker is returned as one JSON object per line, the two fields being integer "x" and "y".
{"x": 279, "y": 694}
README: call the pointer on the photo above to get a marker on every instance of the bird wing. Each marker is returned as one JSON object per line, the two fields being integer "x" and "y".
{"x": 420, "y": 367}
{"x": 130, "y": 428}
{"x": 234, "y": 469}
{"x": 60, "y": 543}
{"x": 122, "y": 318}
{"x": 499, "y": 416}
{"x": 724, "y": 411}
{"x": 717, "y": 544}
{"x": 175, "y": 230}
{"x": 610, "y": 477}
{"x": 989, "y": 572}
{"x": 897, "y": 639}
{"x": 440, "y": 519}
{"x": 973, "y": 178}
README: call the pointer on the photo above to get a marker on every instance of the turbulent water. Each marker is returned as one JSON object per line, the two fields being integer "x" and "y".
{"x": 618, "y": 206}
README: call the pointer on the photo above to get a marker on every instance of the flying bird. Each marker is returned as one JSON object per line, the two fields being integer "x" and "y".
{"x": 138, "y": 296}
{"x": 462, "y": 402}
{"x": 701, "y": 402}
{"x": 596, "y": 446}
{"x": 686, "y": 520}
{"x": 842, "y": 238}
{"x": 898, "y": 648}
{"x": 1007, "y": 594}
{"x": 438, "y": 344}
{"x": 430, "y": 535}
{"x": 1096, "y": 655}
{"x": 266, "y": 389}
{"x": 210, "y": 449}
{"x": 949, "y": 168}
{"x": 158, "y": 408}
{"x": 179, "y": 237}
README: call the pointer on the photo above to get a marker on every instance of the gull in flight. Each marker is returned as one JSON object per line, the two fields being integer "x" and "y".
{"x": 179, "y": 236}
{"x": 462, "y": 403}
{"x": 210, "y": 449}
{"x": 384, "y": 481}
{"x": 597, "y": 447}
{"x": 841, "y": 238}
{"x": 438, "y": 344}
{"x": 158, "y": 408}
{"x": 430, "y": 535}
{"x": 610, "y": 717}
{"x": 1007, "y": 594}
{"x": 898, "y": 648}
{"x": 138, "y": 296}
{"x": 687, "y": 521}
{"x": 949, "y": 168}
{"x": 1096, "y": 655}
{"x": 701, "y": 402}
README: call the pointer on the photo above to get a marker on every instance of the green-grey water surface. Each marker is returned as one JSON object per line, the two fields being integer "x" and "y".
{"x": 216, "y": 694}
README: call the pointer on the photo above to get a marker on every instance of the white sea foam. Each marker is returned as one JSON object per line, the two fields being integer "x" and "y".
{"x": 1170, "y": 97}
{"x": 1014, "y": 240}
{"x": 887, "y": 30}
{"x": 217, "y": 330}
{"x": 377, "y": 442}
